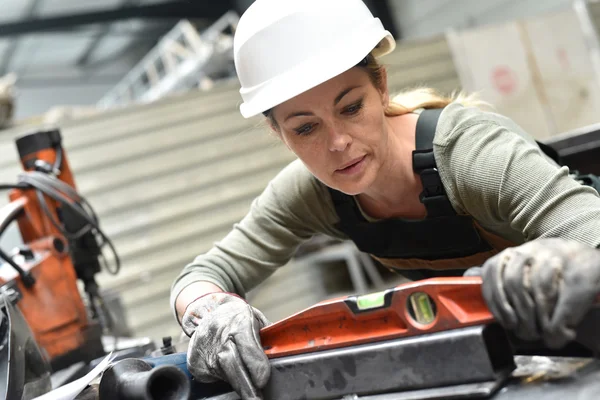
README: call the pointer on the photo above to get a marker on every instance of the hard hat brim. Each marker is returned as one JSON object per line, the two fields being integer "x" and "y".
{"x": 325, "y": 65}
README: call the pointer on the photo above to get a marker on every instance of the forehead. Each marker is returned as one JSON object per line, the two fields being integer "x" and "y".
{"x": 325, "y": 93}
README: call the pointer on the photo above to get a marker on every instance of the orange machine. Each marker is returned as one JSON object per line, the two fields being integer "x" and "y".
{"x": 60, "y": 245}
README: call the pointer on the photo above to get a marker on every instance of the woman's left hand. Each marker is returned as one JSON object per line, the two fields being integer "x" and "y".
{"x": 542, "y": 289}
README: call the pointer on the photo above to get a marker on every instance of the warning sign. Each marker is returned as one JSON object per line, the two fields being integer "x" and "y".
{"x": 504, "y": 79}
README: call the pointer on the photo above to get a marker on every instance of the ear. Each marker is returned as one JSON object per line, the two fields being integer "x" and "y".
{"x": 272, "y": 126}
{"x": 275, "y": 129}
{"x": 383, "y": 89}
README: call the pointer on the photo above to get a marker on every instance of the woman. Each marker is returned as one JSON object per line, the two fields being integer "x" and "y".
{"x": 478, "y": 185}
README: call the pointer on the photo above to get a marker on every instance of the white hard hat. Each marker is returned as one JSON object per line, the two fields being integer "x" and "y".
{"x": 285, "y": 47}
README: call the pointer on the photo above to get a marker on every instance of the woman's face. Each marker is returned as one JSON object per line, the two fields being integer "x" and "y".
{"x": 338, "y": 129}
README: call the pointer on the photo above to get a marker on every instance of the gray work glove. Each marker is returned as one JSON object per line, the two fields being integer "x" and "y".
{"x": 225, "y": 343}
{"x": 541, "y": 289}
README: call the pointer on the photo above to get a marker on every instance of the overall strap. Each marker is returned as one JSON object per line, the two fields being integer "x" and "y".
{"x": 550, "y": 152}
{"x": 433, "y": 196}
{"x": 345, "y": 207}
{"x": 442, "y": 235}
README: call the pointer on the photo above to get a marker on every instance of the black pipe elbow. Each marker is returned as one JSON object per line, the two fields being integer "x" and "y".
{"x": 135, "y": 379}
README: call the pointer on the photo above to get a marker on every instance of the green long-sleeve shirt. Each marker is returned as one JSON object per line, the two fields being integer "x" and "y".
{"x": 490, "y": 169}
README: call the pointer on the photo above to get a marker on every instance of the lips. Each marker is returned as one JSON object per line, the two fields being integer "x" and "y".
{"x": 351, "y": 163}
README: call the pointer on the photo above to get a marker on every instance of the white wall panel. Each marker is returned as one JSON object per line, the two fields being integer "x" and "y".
{"x": 571, "y": 88}
{"x": 538, "y": 71}
{"x": 494, "y": 62}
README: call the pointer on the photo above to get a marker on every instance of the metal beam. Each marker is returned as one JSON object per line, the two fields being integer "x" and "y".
{"x": 99, "y": 37}
{"x": 167, "y": 10}
{"x": 240, "y": 6}
{"x": 14, "y": 45}
{"x": 61, "y": 81}
{"x": 382, "y": 10}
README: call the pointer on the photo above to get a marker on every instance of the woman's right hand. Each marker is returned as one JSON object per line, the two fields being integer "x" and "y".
{"x": 225, "y": 343}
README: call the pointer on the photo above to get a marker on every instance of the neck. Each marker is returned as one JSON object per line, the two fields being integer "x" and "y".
{"x": 395, "y": 192}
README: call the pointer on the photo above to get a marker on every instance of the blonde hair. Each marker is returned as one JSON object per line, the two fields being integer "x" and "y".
{"x": 412, "y": 99}
{"x": 409, "y": 100}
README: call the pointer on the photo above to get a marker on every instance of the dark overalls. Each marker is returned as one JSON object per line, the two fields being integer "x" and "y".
{"x": 444, "y": 243}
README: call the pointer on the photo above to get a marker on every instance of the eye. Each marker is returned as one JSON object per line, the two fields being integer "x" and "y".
{"x": 353, "y": 108}
{"x": 304, "y": 129}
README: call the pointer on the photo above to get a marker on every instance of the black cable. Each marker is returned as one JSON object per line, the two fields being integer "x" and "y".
{"x": 49, "y": 185}
{"x": 58, "y": 159}
{"x": 9, "y": 186}
{"x": 41, "y": 189}
{"x": 90, "y": 210}
{"x": 65, "y": 233}
{"x": 114, "y": 251}
{"x": 66, "y": 195}
{"x": 28, "y": 280}
{"x": 110, "y": 321}
{"x": 93, "y": 220}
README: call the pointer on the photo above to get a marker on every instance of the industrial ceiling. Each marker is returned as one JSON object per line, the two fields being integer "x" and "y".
{"x": 79, "y": 42}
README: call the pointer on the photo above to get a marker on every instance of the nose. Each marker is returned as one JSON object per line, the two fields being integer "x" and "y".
{"x": 338, "y": 139}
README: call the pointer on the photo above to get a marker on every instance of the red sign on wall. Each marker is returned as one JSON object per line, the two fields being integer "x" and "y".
{"x": 504, "y": 79}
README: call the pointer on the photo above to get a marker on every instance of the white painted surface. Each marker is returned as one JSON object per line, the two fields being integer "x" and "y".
{"x": 563, "y": 62}
{"x": 494, "y": 62}
{"x": 538, "y": 71}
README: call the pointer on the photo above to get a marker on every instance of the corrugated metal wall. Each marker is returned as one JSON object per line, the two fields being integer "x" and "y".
{"x": 170, "y": 178}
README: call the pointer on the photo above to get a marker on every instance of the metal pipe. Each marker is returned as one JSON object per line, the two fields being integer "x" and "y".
{"x": 135, "y": 379}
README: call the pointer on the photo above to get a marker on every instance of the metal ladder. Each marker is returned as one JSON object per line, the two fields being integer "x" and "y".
{"x": 183, "y": 59}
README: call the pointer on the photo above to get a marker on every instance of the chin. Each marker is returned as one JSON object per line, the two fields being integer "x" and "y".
{"x": 354, "y": 186}
{"x": 351, "y": 188}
